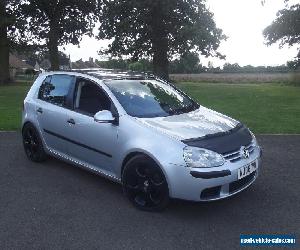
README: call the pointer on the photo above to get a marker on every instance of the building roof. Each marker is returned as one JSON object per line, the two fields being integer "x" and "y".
{"x": 84, "y": 65}
{"x": 15, "y": 62}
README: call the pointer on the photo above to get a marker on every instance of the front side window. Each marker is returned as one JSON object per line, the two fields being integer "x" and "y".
{"x": 90, "y": 98}
{"x": 55, "y": 89}
{"x": 150, "y": 98}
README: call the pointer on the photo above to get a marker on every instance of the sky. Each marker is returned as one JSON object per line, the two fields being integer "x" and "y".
{"x": 241, "y": 20}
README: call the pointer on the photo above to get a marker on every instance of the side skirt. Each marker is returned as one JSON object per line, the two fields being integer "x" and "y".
{"x": 83, "y": 165}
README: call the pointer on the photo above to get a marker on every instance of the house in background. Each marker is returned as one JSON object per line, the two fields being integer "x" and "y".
{"x": 80, "y": 64}
{"x": 17, "y": 66}
{"x": 45, "y": 65}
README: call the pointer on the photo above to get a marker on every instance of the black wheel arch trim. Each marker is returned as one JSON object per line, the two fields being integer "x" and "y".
{"x": 33, "y": 125}
{"x": 132, "y": 154}
{"x": 25, "y": 123}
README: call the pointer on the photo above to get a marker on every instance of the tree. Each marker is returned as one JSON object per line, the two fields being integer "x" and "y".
{"x": 113, "y": 64}
{"x": 228, "y": 67}
{"x": 285, "y": 29}
{"x": 4, "y": 44}
{"x": 11, "y": 30}
{"x": 187, "y": 63}
{"x": 140, "y": 65}
{"x": 58, "y": 22}
{"x": 37, "y": 56}
{"x": 295, "y": 63}
{"x": 158, "y": 29}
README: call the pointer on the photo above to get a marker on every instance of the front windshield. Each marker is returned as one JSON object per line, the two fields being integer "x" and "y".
{"x": 150, "y": 98}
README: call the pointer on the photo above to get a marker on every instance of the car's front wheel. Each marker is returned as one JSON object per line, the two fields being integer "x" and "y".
{"x": 145, "y": 184}
{"x": 32, "y": 143}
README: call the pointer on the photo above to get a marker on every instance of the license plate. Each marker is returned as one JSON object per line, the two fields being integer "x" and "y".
{"x": 246, "y": 170}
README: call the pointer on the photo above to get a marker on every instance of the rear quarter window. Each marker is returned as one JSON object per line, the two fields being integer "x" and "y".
{"x": 55, "y": 89}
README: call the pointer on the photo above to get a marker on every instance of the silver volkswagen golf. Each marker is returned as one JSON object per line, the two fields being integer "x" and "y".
{"x": 140, "y": 131}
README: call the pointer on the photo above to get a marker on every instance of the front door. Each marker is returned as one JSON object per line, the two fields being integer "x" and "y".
{"x": 93, "y": 143}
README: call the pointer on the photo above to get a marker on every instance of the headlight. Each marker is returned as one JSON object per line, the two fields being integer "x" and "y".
{"x": 202, "y": 158}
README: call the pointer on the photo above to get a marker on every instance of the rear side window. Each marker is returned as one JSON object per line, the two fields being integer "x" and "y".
{"x": 55, "y": 89}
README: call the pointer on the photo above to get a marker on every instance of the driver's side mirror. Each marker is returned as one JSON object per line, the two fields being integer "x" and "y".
{"x": 104, "y": 116}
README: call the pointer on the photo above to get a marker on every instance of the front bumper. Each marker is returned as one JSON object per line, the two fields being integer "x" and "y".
{"x": 200, "y": 184}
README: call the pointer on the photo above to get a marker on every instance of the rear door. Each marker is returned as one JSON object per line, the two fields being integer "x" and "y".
{"x": 53, "y": 101}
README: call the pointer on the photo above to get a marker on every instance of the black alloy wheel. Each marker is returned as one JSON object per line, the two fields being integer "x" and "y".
{"x": 32, "y": 143}
{"x": 145, "y": 184}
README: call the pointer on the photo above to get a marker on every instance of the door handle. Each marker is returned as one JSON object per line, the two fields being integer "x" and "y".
{"x": 39, "y": 110}
{"x": 71, "y": 121}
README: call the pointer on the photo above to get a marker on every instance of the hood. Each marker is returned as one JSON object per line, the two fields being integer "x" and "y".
{"x": 198, "y": 123}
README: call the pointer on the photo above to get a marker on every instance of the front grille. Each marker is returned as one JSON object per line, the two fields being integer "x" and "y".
{"x": 236, "y": 155}
{"x": 236, "y": 185}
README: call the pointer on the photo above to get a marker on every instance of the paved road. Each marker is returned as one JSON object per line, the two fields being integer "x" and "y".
{"x": 55, "y": 205}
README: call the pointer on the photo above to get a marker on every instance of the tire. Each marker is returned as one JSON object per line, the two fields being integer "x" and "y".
{"x": 144, "y": 184}
{"x": 32, "y": 143}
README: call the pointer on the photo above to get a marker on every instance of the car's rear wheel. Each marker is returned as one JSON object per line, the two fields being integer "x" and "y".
{"x": 32, "y": 143}
{"x": 145, "y": 184}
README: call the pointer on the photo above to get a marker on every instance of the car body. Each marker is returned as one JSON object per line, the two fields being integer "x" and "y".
{"x": 104, "y": 142}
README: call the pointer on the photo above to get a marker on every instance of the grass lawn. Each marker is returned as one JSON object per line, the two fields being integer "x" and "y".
{"x": 11, "y": 99}
{"x": 265, "y": 108}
